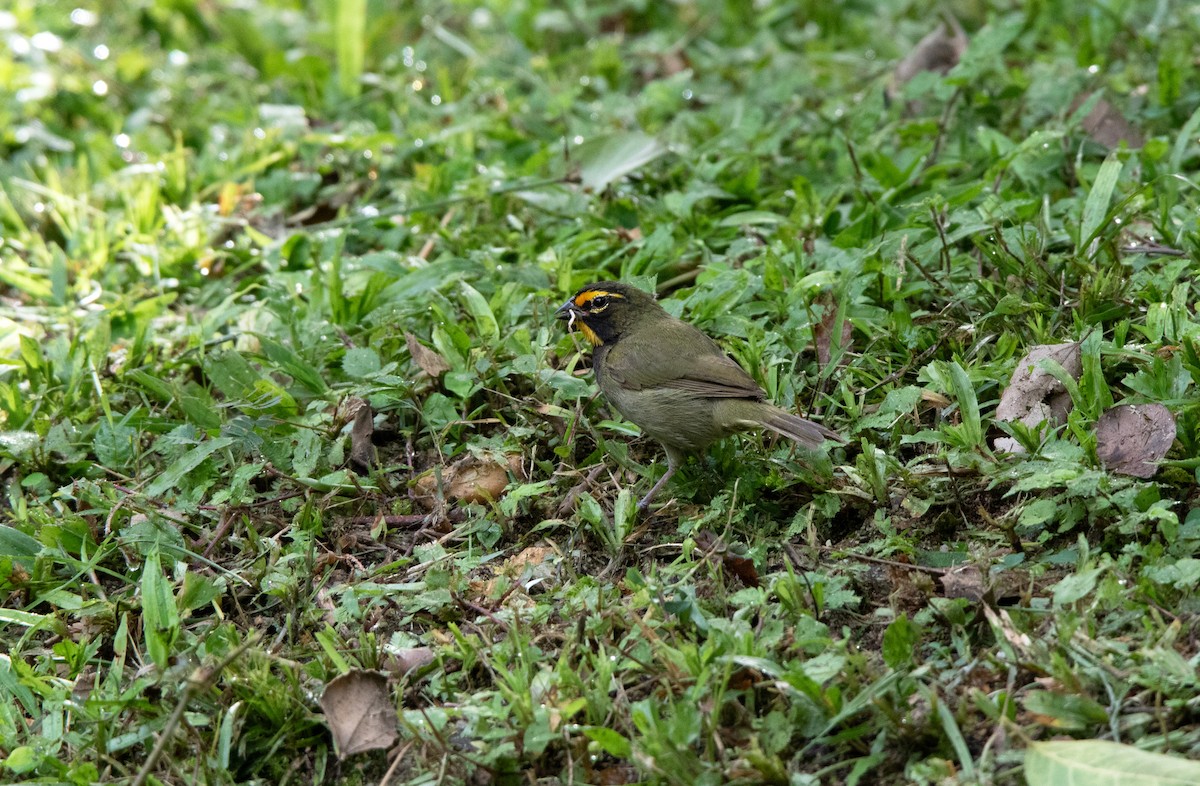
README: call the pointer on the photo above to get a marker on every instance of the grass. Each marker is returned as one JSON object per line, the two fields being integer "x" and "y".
{"x": 226, "y": 229}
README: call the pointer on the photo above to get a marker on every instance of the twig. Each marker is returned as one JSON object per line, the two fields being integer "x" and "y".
{"x": 199, "y": 680}
{"x": 881, "y": 561}
{"x": 387, "y": 776}
{"x": 428, "y": 247}
{"x": 568, "y": 502}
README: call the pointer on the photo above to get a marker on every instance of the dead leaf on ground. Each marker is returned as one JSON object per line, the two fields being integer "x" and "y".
{"x": 1106, "y": 125}
{"x": 469, "y": 480}
{"x": 939, "y": 51}
{"x": 359, "y": 712}
{"x": 429, "y": 361}
{"x": 409, "y": 659}
{"x": 1033, "y": 395}
{"x": 1132, "y": 438}
{"x": 1002, "y": 623}
{"x": 934, "y": 398}
{"x": 964, "y": 581}
{"x": 532, "y": 562}
{"x": 824, "y": 330}
{"x": 740, "y": 566}
{"x": 362, "y": 449}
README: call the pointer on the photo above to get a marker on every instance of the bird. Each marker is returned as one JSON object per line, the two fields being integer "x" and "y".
{"x": 671, "y": 379}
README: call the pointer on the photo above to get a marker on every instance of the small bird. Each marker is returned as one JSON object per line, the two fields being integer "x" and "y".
{"x": 670, "y": 379}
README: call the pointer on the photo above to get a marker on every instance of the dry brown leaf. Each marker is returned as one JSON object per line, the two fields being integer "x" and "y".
{"x": 1132, "y": 438}
{"x": 469, "y": 480}
{"x": 939, "y": 51}
{"x": 362, "y": 450}
{"x": 629, "y": 235}
{"x": 1107, "y": 126}
{"x": 1002, "y": 622}
{"x": 531, "y": 561}
{"x": 429, "y": 361}
{"x": 824, "y": 330}
{"x": 935, "y": 398}
{"x": 359, "y": 712}
{"x": 965, "y": 581}
{"x": 740, "y": 566}
{"x": 403, "y": 661}
{"x": 1032, "y": 395}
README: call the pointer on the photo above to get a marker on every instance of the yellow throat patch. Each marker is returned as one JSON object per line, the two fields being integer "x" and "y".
{"x": 589, "y": 334}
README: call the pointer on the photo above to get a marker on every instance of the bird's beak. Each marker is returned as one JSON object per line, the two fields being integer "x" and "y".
{"x": 568, "y": 311}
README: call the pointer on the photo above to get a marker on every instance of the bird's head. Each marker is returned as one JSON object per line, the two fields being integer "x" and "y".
{"x": 606, "y": 310}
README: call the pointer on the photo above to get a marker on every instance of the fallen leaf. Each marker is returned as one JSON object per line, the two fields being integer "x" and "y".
{"x": 469, "y": 480}
{"x": 939, "y": 51}
{"x": 359, "y": 712}
{"x": 824, "y": 330}
{"x": 740, "y": 566}
{"x": 935, "y": 398}
{"x": 429, "y": 361}
{"x": 1033, "y": 395}
{"x": 531, "y": 559}
{"x": 963, "y": 582}
{"x": 1106, "y": 125}
{"x": 1002, "y": 622}
{"x": 1132, "y": 438}
{"x": 408, "y": 659}
{"x": 362, "y": 450}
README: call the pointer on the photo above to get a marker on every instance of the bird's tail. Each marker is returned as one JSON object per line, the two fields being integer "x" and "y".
{"x": 807, "y": 433}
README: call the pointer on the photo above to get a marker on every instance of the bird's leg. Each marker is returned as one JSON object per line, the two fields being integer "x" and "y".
{"x": 644, "y": 505}
{"x": 674, "y": 460}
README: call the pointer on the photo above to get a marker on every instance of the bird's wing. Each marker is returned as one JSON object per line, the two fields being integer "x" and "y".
{"x": 678, "y": 356}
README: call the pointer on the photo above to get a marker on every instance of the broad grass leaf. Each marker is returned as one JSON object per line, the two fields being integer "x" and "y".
{"x": 1104, "y": 763}
{"x": 607, "y": 159}
{"x": 1075, "y": 587}
{"x": 481, "y": 311}
{"x": 611, "y": 742}
{"x": 1066, "y": 711}
{"x": 293, "y": 365}
{"x": 21, "y": 547}
{"x": 1095, "y": 209}
{"x": 170, "y": 478}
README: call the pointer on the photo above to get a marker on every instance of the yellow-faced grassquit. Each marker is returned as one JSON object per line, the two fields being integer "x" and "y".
{"x": 670, "y": 379}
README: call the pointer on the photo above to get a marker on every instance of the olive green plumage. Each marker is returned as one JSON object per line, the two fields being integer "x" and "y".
{"x": 672, "y": 380}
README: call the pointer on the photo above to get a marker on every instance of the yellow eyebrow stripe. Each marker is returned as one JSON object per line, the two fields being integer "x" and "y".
{"x": 584, "y": 298}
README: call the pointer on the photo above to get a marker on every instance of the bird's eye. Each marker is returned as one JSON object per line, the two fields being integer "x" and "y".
{"x": 599, "y": 302}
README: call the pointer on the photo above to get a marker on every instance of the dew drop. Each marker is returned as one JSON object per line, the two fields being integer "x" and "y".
{"x": 46, "y": 41}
